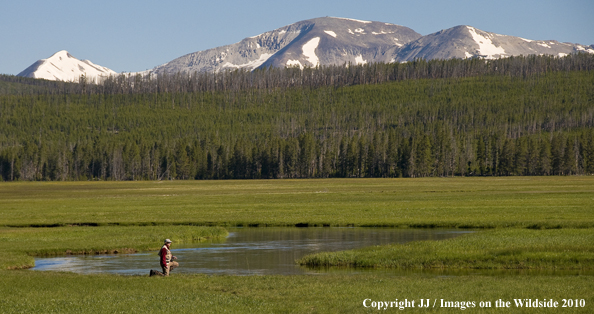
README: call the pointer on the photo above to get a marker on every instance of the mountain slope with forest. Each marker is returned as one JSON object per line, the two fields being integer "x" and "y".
{"x": 514, "y": 116}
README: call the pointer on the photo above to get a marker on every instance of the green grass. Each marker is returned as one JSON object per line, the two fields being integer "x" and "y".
{"x": 18, "y": 246}
{"x": 536, "y": 202}
{"x": 547, "y": 221}
{"x": 47, "y": 292}
{"x": 492, "y": 249}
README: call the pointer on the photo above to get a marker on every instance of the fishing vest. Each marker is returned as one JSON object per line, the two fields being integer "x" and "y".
{"x": 168, "y": 255}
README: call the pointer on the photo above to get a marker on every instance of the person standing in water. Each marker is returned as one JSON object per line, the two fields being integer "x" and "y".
{"x": 167, "y": 260}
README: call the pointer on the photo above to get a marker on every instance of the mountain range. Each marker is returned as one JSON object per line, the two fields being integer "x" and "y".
{"x": 326, "y": 41}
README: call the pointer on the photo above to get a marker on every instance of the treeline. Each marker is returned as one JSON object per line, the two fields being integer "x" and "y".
{"x": 338, "y": 76}
{"x": 382, "y": 155}
{"x": 537, "y": 124}
{"x": 18, "y": 85}
{"x": 265, "y": 80}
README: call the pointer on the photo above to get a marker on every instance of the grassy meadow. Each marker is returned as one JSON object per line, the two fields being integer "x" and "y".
{"x": 525, "y": 202}
{"x": 528, "y": 222}
{"x": 47, "y": 292}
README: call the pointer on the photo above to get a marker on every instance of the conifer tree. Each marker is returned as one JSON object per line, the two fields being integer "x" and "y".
{"x": 569, "y": 163}
{"x": 544, "y": 163}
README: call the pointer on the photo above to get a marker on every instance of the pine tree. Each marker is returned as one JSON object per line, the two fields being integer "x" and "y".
{"x": 557, "y": 148}
{"x": 506, "y": 158}
{"x": 424, "y": 159}
{"x": 588, "y": 151}
{"x": 182, "y": 163}
{"x": 521, "y": 157}
{"x": 569, "y": 163}
{"x": 481, "y": 156}
{"x": 532, "y": 159}
{"x": 544, "y": 163}
{"x": 352, "y": 159}
{"x": 392, "y": 169}
{"x": 406, "y": 162}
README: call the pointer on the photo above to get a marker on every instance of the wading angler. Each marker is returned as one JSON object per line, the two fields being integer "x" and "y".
{"x": 166, "y": 260}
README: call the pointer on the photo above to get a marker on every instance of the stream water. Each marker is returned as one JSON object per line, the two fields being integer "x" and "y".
{"x": 247, "y": 251}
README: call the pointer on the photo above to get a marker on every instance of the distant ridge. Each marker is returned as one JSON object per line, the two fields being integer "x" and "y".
{"x": 325, "y": 41}
{"x": 337, "y": 41}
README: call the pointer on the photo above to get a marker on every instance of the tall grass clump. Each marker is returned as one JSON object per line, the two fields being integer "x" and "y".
{"x": 492, "y": 249}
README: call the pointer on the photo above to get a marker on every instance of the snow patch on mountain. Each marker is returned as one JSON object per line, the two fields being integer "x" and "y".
{"x": 382, "y": 33}
{"x": 359, "y": 60}
{"x": 360, "y": 21}
{"x": 486, "y": 46}
{"x": 587, "y": 49}
{"x": 292, "y": 63}
{"x": 543, "y": 45}
{"x": 250, "y": 65}
{"x": 309, "y": 51}
{"x": 331, "y": 33}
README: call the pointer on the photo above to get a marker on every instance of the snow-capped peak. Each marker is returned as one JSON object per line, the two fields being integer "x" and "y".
{"x": 62, "y": 66}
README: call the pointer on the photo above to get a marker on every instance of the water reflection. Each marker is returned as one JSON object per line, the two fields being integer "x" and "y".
{"x": 248, "y": 251}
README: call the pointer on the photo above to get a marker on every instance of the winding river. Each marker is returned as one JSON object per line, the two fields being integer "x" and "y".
{"x": 247, "y": 251}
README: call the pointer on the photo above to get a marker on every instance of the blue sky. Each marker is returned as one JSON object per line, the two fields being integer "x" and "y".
{"x": 136, "y": 35}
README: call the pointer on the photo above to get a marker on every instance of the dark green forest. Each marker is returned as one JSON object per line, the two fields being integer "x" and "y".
{"x": 516, "y": 116}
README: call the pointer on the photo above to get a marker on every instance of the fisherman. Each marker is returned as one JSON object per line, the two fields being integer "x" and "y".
{"x": 167, "y": 260}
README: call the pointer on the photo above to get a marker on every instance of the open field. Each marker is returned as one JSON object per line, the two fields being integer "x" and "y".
{"x": 546, "y": 218}
{"x": 536, "y": 202}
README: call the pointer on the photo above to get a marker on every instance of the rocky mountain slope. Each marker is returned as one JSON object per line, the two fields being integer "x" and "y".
{"x": 337, "y": 41}
{"x": 320, "y": 41}
{"x": 469, "y": 42}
